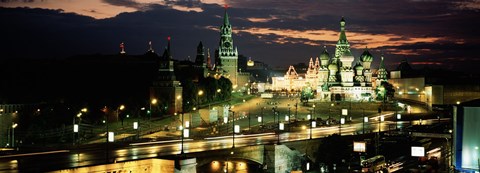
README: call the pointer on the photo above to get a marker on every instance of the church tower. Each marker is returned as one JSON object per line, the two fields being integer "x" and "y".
{"x": 366, "y": 59}
{"x": 342, "y": 43}
{"x": 382, "y": 73}
{"x": 166, "y": 89}
{"x": 227, "y": 55}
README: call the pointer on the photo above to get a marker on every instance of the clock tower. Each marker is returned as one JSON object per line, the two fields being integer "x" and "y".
{"x": 226, "y": 56}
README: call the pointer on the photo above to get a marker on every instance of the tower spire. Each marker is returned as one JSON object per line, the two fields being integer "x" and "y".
{"x": 225, "y": 18}
{"x": 167, "y": 54}
{"x": 209, "y": 61}
{"x": 343, "y": 36}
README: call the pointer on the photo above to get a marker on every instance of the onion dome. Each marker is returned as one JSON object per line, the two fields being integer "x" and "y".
{"x": 333, "y": 66}
{"x": 324, "y": 55}
{"x": 358, "y": 66}
{"x": 347, "y": 55}
{"x": 366, "y": 56}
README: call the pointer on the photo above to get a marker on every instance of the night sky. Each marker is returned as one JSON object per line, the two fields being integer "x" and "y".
{"x": 439, "y": 34}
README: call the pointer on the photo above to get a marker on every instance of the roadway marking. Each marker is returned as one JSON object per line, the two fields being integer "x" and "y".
{"x": 32, "y": 154}
{"x": 159, "y": 142}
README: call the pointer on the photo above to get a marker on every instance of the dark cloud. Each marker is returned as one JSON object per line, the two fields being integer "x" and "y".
{"x": 54, "y": 33}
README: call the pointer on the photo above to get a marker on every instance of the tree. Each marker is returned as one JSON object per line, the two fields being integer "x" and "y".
{"x": 306, "y": 94}
{"x": 384, "y": 91}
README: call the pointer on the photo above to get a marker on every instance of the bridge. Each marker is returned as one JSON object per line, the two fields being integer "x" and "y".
{"x": 274, "y": 158}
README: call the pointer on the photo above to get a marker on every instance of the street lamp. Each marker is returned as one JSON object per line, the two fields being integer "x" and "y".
{"x": 342, "y": 120}
{"x": 311, "y": 124}
{"x": 399, "y": 116}
{"x": 233, "y": 128}
{"x": 182, "y": 135}
{"x": 154, "y": 101}
{"x": 365, "y": 120}
{"x": 278, "y": 131}
{"x": 14, "y": 125}
{"x": 262, "y": 115}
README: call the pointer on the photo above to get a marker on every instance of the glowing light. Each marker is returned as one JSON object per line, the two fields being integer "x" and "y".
{"x": 225, "y": 119}
{"x": 259, "y": 119}
{"x": 135, "y": 125}
{"x": 111, "y": 137}
{"x": 237, "y": 128}
{"x": 287, "y": 118}
{"x": 365, "y": 119}
{"x": 309, "y": 117}
{"x": 345, "y": 112}
{"x": 154, "y": 101}
{"x": 382, "y": 118}
{"x": 458, "y": 102}
{"x": 314, "y": 124}
{"x": 187, "y": 124}
{"x": 186, "y": 133}
{"x": 75, "y": 128}
{"x": 281, "y": 126}
{"x": 342, "y": 120}
{"x": 399, "y": 116}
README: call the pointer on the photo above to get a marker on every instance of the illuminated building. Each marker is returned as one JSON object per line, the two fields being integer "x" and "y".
{"x": 466, "y": 141}
{"x": 336, "y": 77}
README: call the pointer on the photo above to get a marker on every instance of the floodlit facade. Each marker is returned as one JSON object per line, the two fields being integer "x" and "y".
{"x": 336, "y": 77}
{"x": 466, "y": 141}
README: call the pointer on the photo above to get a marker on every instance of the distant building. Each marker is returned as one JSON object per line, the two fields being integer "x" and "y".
{"x": 466, "y": 138}
{"x": 433, "y": 86}
{"x": 335, "y": 77}
{"x": 166, "y": 89}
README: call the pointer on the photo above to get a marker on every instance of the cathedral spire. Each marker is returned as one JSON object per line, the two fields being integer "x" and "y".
{"x": 343, "y": 36}
{"x": 167, "y": 54}
{"x": 382, "y": 72}
{"x": 200, "y": 59}
{"x": 310, "y": 64}
{"x": 209, "y": 60}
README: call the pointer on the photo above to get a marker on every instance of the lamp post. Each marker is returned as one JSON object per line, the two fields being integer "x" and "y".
{"x": 364, "y": 121}
{"x": 262, "y": 115}
{"x": 399, "y": 116}
{"x": 313, "y": 114}
{"x": 1, "y": 112}
{"x": 14, "y": 125}
{"x": 108, "y": 134}
{"x": 311, "y": 125}
{"x": 233, "y": 128}
{"x": 342, "y": 120}
{"x": 278, "y": 129}
{"x": 181, "y": 128}
{"x": 289, "y": 114}
{"x": 120, "y": 108}
{"x": 152, "y": 102}
{"x": 296, "y": 110}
